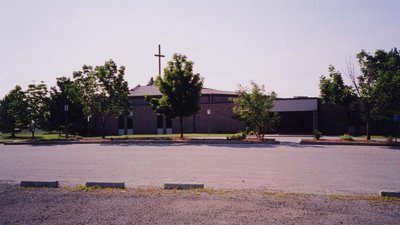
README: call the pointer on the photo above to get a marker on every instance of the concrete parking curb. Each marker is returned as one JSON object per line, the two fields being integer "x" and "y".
{"x": 183, "y": 186}
{"x": 48, "y": 184}
{"x": 106, "y": 184}
{"x": 394, "y": 194}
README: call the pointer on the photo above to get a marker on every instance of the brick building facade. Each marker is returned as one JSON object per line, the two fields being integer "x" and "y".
{"x": 298, "y": 115}
{"x": 215, "y": 114}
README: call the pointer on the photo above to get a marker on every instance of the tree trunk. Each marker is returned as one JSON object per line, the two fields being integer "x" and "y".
{"x": 368, "y": 133}
{"x": 262, "y": 135}
{"x": 33, "y": 134}
{"x": 13, "y": 134}
{"x": 181, "y": 125}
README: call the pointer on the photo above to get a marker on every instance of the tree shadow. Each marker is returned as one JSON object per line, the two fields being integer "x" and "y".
{"x": 394, "y": 147}
{"x": 298, "y": 145}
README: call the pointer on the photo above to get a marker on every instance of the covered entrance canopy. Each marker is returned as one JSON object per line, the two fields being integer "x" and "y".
{"x": 298, "y": 115}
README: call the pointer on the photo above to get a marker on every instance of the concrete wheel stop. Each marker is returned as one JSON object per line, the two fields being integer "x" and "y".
{"x": 48, "y": 184}
{"x": 393, "y": 194}
{"x": 183, "y": 186}
{"x": 106, "y": 184}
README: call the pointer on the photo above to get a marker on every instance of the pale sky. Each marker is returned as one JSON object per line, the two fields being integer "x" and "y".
{"x": 285, "y": 45}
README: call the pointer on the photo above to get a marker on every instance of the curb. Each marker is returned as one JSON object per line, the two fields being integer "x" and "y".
{"x": 393, "y": 194}
{"x": 182, "y": 186}
{"x": 36, "y": 184}
{"x": 105, "y": 185}
{"x": 353, "y": 143}
{"x": 142, "y": 142}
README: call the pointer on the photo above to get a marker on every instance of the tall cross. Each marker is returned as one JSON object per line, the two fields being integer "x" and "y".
{"x": 159, "y": 59}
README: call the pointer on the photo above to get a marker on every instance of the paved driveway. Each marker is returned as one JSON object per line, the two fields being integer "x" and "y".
{"x": 288, "y": 167}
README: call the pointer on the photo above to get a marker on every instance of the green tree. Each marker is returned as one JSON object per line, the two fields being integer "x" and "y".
{"x": 180, "y": 89}
{"x": 333, "y": 90}
{"x": 38, "y": 100}
{"x": 252, "y": 106}
{"x": 102, "y": 91}
{"x": 378, "y": 85}
{"x": 65, "y": 94}
{"x": 13, "y": 110}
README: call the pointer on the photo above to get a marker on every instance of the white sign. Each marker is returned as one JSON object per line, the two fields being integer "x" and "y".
{"x": 208, "y": 111}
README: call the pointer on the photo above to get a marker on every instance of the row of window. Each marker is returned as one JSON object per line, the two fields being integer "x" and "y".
{"x": 129, "y": 122}
{"x": 160, "y": 120}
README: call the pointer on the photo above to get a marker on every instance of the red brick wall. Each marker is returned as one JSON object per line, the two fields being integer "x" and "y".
{"x": 144, "y": 120}
{"x": 220, "y": 120}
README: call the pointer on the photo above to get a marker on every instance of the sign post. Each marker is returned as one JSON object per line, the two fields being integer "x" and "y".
{"x": 66, "y": 120}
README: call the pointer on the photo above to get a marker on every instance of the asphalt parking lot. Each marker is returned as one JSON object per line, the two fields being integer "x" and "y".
{"x": 286, "y": 167}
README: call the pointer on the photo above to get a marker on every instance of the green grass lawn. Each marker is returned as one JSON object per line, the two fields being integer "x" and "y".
{"x": 372, "y": 136}
{"x": 38, "y": 136}
{"x": 47, "y": 136}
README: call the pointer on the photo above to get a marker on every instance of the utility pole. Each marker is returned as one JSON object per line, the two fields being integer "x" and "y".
{"x": 159, "y": 59}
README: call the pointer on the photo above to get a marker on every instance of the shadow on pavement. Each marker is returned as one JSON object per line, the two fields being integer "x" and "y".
{"x": 297, "y": 145}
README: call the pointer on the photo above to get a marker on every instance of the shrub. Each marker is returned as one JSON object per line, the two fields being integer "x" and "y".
{"x": 389, "y": 139}
{"x": 347, "y": 137}
{"x": 317, "y": 134}
{"x": 237, "y": 136}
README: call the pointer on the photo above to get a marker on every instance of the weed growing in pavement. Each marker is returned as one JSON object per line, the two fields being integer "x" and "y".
{"x": 209, "y": 191}
{"x": 83, "y": 187}
{"x": 370, "y": 198}
{"x": 286, "y": 195}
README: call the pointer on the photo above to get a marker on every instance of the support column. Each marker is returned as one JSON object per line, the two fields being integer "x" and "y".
{"x": 315, "y": 120}
{"x": 125, "y": 125}
{"x": 164, "y": 124}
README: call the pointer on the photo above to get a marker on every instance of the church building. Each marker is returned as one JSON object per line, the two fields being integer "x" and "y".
{"x": 298, "y": 115}
{"x": 215, "y": 114}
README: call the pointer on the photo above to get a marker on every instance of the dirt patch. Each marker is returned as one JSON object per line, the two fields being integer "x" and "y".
{"x": 157, "y": 206}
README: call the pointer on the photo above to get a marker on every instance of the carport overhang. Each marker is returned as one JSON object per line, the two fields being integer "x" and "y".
{"x": 298, "y": 105}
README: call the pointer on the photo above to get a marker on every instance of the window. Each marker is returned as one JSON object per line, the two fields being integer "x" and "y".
{"x": 121, "y": 122}
{"x": 129, "y": 125}
{"x": 159, "y": 121}
{"x": 169, "y": 123}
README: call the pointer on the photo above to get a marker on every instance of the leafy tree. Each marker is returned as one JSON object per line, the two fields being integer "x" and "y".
{"x": 252, "y": 106}
{"x": 66, "y": 94}
{"x": 378, "y": 85}
{"x": 38, "y": 100}
{"x": 180, "y": 89}
{"x": 102, "y": 91}
{"x": 13, "y": 110}
{"x": 333, "y": 90}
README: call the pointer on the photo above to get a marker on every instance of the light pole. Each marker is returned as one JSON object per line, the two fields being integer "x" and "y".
{"x": 208, "y": 121}
{"x": 66, "y": 120}
{"x": 33, "y": 129}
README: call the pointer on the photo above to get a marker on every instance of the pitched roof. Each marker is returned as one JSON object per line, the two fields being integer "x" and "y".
{"x": 152, "y": 90}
